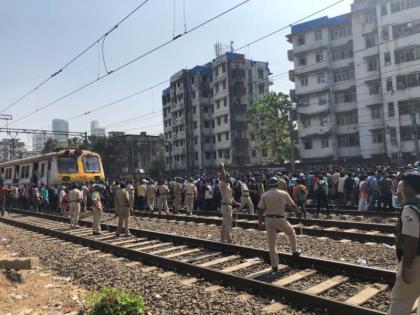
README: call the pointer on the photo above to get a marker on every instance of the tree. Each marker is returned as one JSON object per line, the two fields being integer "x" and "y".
{"x": 98, "y": 144}
{"x": 158, "y": 165}
{"x": 51, "y": 145}
{"x": 269, "y": 117}
{"x": 76, "y": 143}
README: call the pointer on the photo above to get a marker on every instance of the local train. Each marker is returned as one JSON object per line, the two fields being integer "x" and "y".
{"x": 62, "y": 166}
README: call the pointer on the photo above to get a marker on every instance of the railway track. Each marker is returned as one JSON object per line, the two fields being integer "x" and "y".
{"x": 340, "y": 288}
{"x": 336, "y": 229}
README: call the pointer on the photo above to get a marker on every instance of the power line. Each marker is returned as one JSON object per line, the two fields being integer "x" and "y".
{"x": 132, "y": 61}
{"x": 60, "y": 70}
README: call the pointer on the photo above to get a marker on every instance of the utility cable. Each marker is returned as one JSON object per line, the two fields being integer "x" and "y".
{"x": 132, "y": 61}
{"x": 60, "y": 70}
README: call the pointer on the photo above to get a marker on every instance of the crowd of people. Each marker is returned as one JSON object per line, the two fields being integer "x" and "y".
{"x": 381, "y": 188}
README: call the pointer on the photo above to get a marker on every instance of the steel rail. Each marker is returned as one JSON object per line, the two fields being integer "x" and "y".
{"x": 240, "y": 283}
{"x": 364, "y": 272}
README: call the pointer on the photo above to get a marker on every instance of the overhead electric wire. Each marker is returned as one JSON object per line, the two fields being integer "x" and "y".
{"x": 167, "y": 81}
{"x": 74, "y": 58}
{"x": 132, "y": 61}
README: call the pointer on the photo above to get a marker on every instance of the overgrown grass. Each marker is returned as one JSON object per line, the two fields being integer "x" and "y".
{"x": 112, "y": 301}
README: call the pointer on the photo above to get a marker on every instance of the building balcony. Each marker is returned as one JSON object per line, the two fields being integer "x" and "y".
{"x": 312, "y": 68}
{"x": 313, "y": 45}
{"x": 292, "y": 75}
{"x": 238, "y": 74}
{"x": 238, "y": 90}
{"x": 290, "y": 55}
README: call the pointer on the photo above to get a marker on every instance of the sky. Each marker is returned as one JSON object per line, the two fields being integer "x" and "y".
{"x": 39, "y": 37}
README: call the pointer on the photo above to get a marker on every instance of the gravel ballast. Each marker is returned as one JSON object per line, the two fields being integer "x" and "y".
{"x": 161, "y": 295}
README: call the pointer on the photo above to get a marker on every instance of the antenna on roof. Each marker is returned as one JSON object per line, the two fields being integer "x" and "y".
{"x": 231, "y": 46}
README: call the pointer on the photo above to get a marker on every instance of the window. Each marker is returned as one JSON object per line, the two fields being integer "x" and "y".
{"x": 42, "y": 170}
{"x": 319, "y": 56}
{"x": 223, "y": 67}
{"x": 399, "y": 5}
{"x": 193, "y": 94}
{"x": 216, "y": 86}
{"x": 304, "y": 80}
{"x": 375, "y": 112}
{"x": 321, "y": 77}
{"x": 318, "y": 35}
{"x": 196, "y": 140}
{"x": 345, "y": 96}
{"x": 254, "y": 153}
{"x": 325, "y": 142}
{"x": 370, "y": 17}
{"x": 91, "y": 164}
{"x": 378, "y": 136}
{"x": 389, "y": 84}
{"x": 24, "y": 171}
{"x": 301, "y": 40}
{"x": 349, "y": 118}
{"x": 206, "y": 109}
{"x": 219, "y": 121}
{"x": 227, "y": 135}
{"x": 260, "y": 74}
{"x": 67, "y": 165}
{"x": 195, "y": 124}
{"x": 407, "y": 54}
{"x": 323, "y": 99}
{"x": 207, "y": 140}
{"x": 387, "y": 58}
{"x": 344, "y": 75}
{"x": 219, "y": 137}
{"x": 393, "y": 135}
{"x": 384, "y": 9}
{"x": 323, "y": 121}
{"x": 252, "y": 136}
{"x": 8, "y": 174}
{"x": 304, "y": 101}
{"x": 226, "y": 119}
{"x": 391, "y": 110}
{"x": 385, "y": 34}
{"x": 225, "y": 102}
{"x": 306, "y": 123}
{"x": 408, "y": 80}
{"x": 206, "y": 124}
{"x": 220, "y": 154}
{"x": 348, "y": 140}
{"x": 370, "y": 40}
{"x": 342, "y": 53}
{"x": 224, "y": 84}
{"x": 374, "y": 88}
{"x": 372, "y": 64}
{"x": 307, "y": 144}
{"x": 261, "y": 89}
{"x": 218, "y": 104}
{"x": 207, "y": 155}
{"x": 340, "y": 32}
{"x": 405, "y": 29}
{"x": 302, "y": 60}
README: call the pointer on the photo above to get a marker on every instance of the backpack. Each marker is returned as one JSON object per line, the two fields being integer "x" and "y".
{"x": 321, "y": 191}
{"x": 302, "y": 193}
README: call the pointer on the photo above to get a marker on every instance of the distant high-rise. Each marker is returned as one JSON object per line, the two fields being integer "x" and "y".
{"x": 38, "y": 141}
{"x": 62, "y": 126}
{"x": 95, "y": 130}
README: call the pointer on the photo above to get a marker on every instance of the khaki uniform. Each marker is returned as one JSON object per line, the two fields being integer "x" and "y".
{"x": 226, "y": 229}
{"x": 74, "y": 197}
{"x": 177, "y": 196}
{"x": 97, "y": 211}
{"x": 124, "y": 211}
{"x": 151, "y": 196}
{"x": 190, "y": 193}
{"x": 404, "y": 295}
{"x": 163, "y": 194}
{"x": 245, "y": 199}
{"x": 274, "y": 202}
{"x": 131, "y": 195}
{"x": 115, "y": 189}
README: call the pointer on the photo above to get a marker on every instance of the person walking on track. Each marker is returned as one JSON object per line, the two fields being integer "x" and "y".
{"x": 97, "y": 211}
{"x": 75, "y": 197}
{"x": 273, "y": 203}
{"x": 124, "y": 210}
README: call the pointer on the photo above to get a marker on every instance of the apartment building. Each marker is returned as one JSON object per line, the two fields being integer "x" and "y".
{"x": 355, "y": 77}
{"x": 204, "y": 113}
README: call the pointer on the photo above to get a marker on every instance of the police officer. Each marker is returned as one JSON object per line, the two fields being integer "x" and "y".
{"x": 163, "y": 193}
{"x": 151, "y": 195}
{"x": 177, "y": 194}
{"x": 131, "y": 194}
{"x": 273, "y": 203}
{"x": 190, "y": 195}
{"x": 75, "y": 199}
{"x": 245, "y": 198}
{"x": 407, "y": 285}
{"x": 115, "y": 188}
{"x": 97, "y": 210}
{"x": 124, "y": 210}
{"x": 227, "y": 201}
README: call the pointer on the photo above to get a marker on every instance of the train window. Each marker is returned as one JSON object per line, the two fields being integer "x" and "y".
{"x": 67, "y": 165}
{"x": 42, "y": 169}
{"x": 8, "y": 173}
{"x": 91, "y": 164}
{"x": 24, "y": 171}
